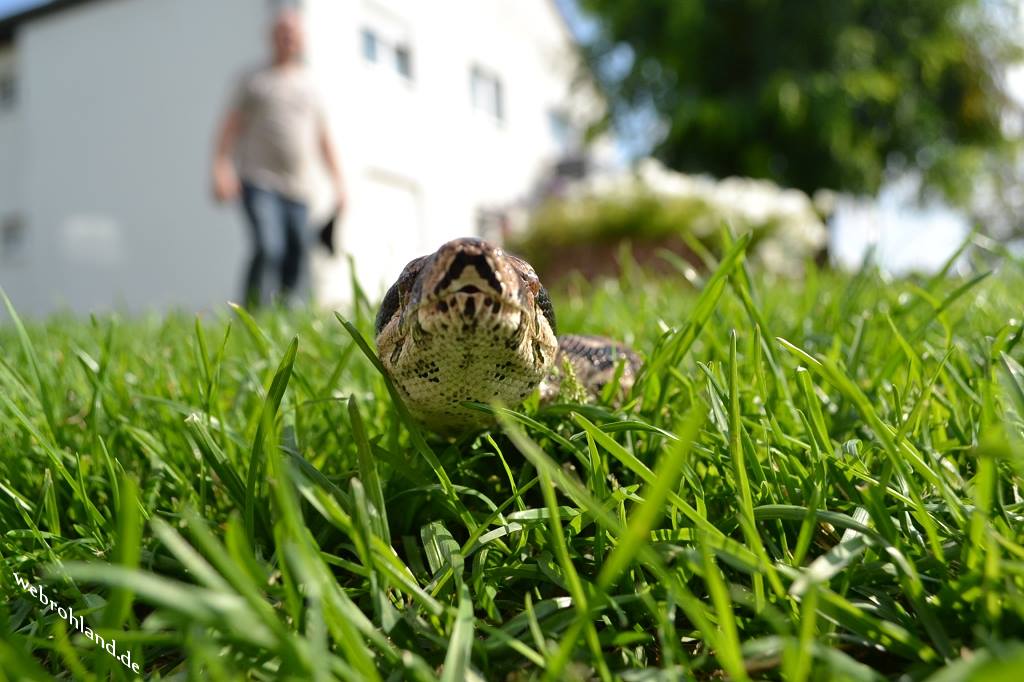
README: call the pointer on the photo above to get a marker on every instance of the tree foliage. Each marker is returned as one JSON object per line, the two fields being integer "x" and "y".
{"x": 811, "y": 93}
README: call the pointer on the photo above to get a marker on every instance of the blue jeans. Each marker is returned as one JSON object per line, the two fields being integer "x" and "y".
{"x": 277, "y": 225}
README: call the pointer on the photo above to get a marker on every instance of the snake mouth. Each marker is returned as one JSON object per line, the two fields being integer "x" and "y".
{"x": 467, "y": 284}
{"x": 466, "y": 303}
{"x": 443, "y": 300}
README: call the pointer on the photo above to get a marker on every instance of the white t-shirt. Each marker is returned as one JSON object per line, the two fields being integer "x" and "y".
{"x": 282, "y": 115}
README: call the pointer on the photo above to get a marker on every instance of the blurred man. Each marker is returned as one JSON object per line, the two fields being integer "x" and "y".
{"x": 268, "y": 145}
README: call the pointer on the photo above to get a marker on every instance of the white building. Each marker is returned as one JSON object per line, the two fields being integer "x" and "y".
{"x": 441, "y": 110}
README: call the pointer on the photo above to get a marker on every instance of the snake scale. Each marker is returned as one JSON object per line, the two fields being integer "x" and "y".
{"x": 472, "y": 323}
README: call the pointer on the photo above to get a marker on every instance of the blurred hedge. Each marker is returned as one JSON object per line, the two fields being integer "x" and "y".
{"x": 653, "y": 208}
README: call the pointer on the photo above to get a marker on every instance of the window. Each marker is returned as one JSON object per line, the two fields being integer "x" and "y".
{"x": 369, "y": 45}
{"x": 392, "y": 53}
{"x": 561, "y": 131}
{"x": 486, "y": 92}
{"x": 403, "y": 61}
{"x": 12, "y": 235}
{"x": 8, "y": 91}
{"x": 8, "y": 80}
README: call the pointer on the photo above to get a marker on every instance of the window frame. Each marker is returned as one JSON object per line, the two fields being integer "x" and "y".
{"x": 491, "y": 101}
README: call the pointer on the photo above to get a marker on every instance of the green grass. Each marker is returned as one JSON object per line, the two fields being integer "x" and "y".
{"x": 812, "y": 480}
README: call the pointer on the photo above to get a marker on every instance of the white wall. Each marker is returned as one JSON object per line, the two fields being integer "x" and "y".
{"x": 118, "y": 102}
{"x": 424, "y": 136}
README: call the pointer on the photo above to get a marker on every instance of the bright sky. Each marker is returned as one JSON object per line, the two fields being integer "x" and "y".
{"x": 12, "y": 6}
{"x": 907, "y": 237}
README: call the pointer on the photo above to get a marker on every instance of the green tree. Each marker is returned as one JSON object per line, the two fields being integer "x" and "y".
{"x": 812, "y": 93}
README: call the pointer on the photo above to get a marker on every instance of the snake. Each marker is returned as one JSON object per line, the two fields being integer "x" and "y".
{"x": 472, "y": 323}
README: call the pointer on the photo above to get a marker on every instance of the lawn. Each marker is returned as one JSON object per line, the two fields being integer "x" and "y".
{"x": 814, "y": 479}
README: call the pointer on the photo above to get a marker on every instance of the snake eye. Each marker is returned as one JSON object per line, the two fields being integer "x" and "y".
{"x": 544, "y": 303}
{"x": 388, "y": 308}
{"x": 393, "y": 298}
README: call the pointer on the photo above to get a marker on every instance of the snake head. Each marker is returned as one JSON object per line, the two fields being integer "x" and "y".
{"x": 472, "y": 280}
{"x": 468, "y": 322}
{"x": 466, "y": 281}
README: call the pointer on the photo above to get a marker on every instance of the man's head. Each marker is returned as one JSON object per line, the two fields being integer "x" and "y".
{"x": 287, "y": 36}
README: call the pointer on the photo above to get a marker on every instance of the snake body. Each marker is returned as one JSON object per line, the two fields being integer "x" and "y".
{"x": 472, "y": 323}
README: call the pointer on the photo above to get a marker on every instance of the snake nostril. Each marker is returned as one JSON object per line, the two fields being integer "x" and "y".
{"x": 475, "y": 268}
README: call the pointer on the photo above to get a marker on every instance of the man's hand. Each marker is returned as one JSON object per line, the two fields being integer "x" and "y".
{"x": 226, "y": 186}
{"x": 330, "y": 156}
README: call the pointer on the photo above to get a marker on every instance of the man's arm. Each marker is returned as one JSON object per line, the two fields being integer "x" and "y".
{"x": 226, "y": 185}
{"x": 330, "y": 156}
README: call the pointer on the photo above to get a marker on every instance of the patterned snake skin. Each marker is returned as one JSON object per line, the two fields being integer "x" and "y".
{"x": 471, "y": 323}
